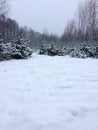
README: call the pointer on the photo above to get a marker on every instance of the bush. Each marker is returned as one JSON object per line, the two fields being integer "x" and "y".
{"x": 17, "y": 50}
{"x": 78, "y": 54}
{"x": 51, "y": 50}
{"x": 21, "y": 49}
{"x": 83, "y": 50}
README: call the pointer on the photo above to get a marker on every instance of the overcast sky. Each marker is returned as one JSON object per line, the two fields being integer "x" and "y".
{"x": 40, "y": 15}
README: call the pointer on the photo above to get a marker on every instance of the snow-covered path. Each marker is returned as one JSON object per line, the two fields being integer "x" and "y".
{"x": 49, "y": 93}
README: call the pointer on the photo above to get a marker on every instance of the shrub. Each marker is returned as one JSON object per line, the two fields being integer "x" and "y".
{"x": 17, "y": 50}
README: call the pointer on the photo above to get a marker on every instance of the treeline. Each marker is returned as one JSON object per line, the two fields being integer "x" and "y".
{"x": 11, "y": 31}
{"x": 84, "y": 27}
{"x": 80, "y": 38}
{"x": 14, "y": 43}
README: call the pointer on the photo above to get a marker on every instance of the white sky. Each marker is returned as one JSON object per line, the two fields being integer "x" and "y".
{"x": 51, "y": 15}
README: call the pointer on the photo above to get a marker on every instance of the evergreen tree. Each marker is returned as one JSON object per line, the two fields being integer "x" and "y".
{"x": 21, "y": 49}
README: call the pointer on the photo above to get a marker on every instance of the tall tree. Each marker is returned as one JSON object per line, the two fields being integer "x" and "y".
{"x": 87, "y": 19}
{"x": 3, "y": 7}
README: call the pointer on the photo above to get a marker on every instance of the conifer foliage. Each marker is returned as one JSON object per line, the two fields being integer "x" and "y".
{"x": 18, "y": 49}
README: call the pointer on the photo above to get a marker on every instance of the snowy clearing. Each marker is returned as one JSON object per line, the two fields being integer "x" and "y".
{"x": 49, "y": 93}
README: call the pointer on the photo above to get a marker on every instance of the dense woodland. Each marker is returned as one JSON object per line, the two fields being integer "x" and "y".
{"x": 80, "y": 38}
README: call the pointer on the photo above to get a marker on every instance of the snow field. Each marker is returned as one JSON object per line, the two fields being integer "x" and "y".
{"x": 49, "y": 93}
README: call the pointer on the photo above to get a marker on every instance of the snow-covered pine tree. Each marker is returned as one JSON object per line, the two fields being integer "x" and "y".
{"x": 21, "y": 49}
{"x": 5, "y": 49}
{"x": 1, "y": 47}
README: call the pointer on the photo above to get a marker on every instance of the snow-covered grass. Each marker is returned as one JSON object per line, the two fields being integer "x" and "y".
{"x": 49, "y": 93}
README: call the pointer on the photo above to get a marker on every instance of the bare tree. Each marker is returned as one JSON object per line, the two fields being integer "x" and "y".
{"x": 4, "y": 8}
{"x": 92, "y": 6}
{"x": 81, "y": 21}
{"x": 70, "y": 32}
{"x": 87, "y": 19}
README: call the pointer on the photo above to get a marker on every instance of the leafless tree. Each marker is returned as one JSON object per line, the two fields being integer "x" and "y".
{"x": 4, "y": 8}
{"x": 85, "y": 25}
{"x": 87, "y": 19}
{"x": 70, "y": 32}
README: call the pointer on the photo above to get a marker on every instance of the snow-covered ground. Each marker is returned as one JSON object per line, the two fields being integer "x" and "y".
{"x": 49, "y": 93}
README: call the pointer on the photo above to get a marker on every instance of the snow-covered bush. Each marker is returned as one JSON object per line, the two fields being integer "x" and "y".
{"x": 43, "y": 49}
{"x": 78, "y": 54}
{"x": 51, "y": 49}
{"x": 17, "y": 50}
{"x": 5, "y": 49}
{"x": 88, "y": 50}
{"x": 21, "y": 49}
{"x": 83, "y": 50}
{"x": 96, "y": 52}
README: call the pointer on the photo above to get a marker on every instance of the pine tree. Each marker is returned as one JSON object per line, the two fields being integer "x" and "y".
{"x": 21, "y": 49}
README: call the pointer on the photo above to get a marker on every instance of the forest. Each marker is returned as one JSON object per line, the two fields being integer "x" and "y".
{"x": 80, "y": 38}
